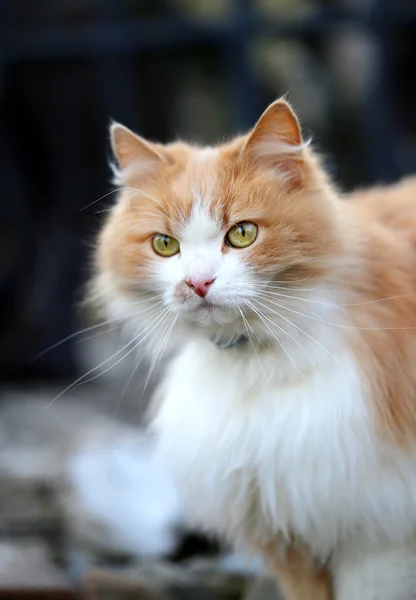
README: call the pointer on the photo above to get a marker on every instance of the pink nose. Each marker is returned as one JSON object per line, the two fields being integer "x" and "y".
{"x": 200, "y": 285}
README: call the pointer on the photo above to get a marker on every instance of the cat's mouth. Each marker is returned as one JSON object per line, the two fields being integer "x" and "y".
{"x": 207, "y": 305}
{"x": 210, "y": 306}
{"x": 207, "y": 312}
{"x": 207, "y": 308}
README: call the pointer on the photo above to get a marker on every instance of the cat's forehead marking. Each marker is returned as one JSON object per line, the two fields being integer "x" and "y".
{"x": 206, "y": 155}
{"x": 202, "y": 189}
{"x": 194, "y": 186}
{"x": 201, "y": 227}
{"x": 204, "y": 177}
{"x": 203, "y": 168}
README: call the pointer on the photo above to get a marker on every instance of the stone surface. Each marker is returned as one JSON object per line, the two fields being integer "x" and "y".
{"x": 27, "y": 507}
{"x": 103, "y": 585}
{"x": 58, "y": 469}
{"x": 192, "y": 580}
{"x": 198, "y": 579}
{"x": 262, "y": 588}
{"x": 75, "y": 485}
{"x": 28, "y": 564}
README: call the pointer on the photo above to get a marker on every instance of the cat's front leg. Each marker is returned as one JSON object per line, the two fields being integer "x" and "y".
{"x": 300, "y": 577}
{"x": 366, "y": 570}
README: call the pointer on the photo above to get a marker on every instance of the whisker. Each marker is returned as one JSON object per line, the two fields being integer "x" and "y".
{"x": 129, "y": 229}
{"x": 247, "y": 327}
{"x": 160, "y": 315}
{"x": 95, "y": 335}
{"x": 150, "y": 197}
{"x": 120, "y": 359}
{"x": 102, "y": 198}
{"x": 160, "y": 350}
{"x": 103, "y": 210}
{"x": 148, "y": 212}
{"x": 246, "y": 322}
{"x": 288, "y": 303}
{"x": 144, "y": 300}
{"x": 318, "y": 344}
{"x": 289, "y": 335}
{"x": 152, "y": 299}
{"x": 95, "y": 326}
{"x": 138, "y": 214}
{"x": 280, "y": 283}
{"x": 72, "y": 335}
{"x": 129, "y": 200}
{"x": 283, "y": 287}
{"x": 117, "y": 327}
{"x": 313, "y": 340}
{"x": 259, "y": 314}
{"x": 336, "y": 304}
{"x": 340, "y": 325}
{"x": 122, "y": 189}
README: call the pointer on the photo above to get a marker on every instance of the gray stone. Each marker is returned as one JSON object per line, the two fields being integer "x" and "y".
{"x": 27, "y": 563}
{"x": 263, "y": 588}
{"x": 76, "y": 451}
{"x": 27, "y": 507}
{"x": 104, "y": 585}
{"x": 185, "y": 581}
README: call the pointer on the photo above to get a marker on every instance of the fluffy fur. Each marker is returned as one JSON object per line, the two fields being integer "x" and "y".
{"x": 300, "y": 444}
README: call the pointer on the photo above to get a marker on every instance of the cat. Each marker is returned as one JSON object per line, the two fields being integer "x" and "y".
{"x": 288, "y": 410}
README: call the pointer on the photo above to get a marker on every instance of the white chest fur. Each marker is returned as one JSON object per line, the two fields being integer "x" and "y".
{"x": 255, "y": 456}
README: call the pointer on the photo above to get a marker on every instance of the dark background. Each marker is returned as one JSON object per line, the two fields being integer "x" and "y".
{"x": 201, "y": 69}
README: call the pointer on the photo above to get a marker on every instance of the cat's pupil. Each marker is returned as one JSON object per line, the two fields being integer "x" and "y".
{"x": 166, "y": 241}
{"x": 242, "y": 230}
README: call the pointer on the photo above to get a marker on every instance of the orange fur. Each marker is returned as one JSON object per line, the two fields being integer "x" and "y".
{"x": 300, "y": 578}
{"x": 393, "y": 206}
{"x": 387, "y": 218}
{"x": 238, "y": 189}
{"x": 363, "y": 244}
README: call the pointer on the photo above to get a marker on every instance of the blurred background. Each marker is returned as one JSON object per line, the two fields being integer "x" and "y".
{"x": 198, "y": 69}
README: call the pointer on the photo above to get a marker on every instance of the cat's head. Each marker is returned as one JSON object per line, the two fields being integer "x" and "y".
{"x": 201, "y": 236}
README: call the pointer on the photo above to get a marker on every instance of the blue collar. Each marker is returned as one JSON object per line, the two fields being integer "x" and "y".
{"x": 235, "y": 342}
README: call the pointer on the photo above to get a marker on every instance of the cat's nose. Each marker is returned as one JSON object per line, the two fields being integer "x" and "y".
{"x": 200, "y": 285}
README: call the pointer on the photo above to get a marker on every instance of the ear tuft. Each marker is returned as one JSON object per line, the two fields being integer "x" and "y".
{"x": 129, "y": 147}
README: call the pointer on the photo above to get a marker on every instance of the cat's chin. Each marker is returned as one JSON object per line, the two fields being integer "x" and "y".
{"x": 209, "y": 314}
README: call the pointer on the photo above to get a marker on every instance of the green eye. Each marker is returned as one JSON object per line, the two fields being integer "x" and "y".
{"x": 165, "y": 245}
{"x": 242, "y": 235}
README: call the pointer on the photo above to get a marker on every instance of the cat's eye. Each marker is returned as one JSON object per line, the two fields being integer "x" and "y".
{"x": 164, "y": 245}
{"x": 242, "y": 235}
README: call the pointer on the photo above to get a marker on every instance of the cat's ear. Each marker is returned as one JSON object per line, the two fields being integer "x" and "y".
{"x": 276, "y": 140}
{"x": 129, "y": 148}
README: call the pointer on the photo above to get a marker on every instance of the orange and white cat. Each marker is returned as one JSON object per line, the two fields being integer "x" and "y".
{"x": 288, "y": 413}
